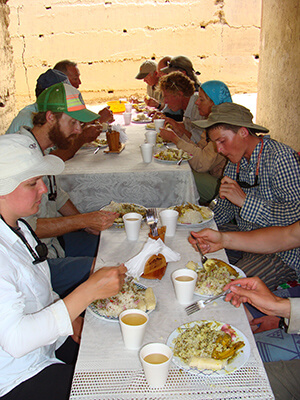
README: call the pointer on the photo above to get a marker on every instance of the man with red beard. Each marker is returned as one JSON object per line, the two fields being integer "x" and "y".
{"x": 61, "y": 111}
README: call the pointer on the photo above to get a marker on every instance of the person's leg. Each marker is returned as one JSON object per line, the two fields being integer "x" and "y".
{"x": 69, "y": 272}
{"x": 207, "y": 186}
{"x": 268, "y": 267}
{"x": 284, "y": 377}
{"x": 80, "y": 244}
{"x": 53, "y": 382}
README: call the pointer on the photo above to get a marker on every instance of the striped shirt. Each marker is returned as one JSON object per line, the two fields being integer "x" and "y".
{"x": 275, "y": 202}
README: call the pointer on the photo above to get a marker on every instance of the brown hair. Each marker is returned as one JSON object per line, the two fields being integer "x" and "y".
{"x": 229, "y": 127}
{"x": 39, "y": 118}
{"x": 177, "y": 82}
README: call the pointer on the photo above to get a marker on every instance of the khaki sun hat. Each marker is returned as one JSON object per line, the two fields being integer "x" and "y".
{"x": 146, "y": 68}
{"x": 62, "y": 97}
{"x": 232, "y": 114}
{"x": 21, "y": 159}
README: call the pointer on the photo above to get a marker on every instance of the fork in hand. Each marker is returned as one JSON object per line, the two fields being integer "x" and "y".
{"x": 198, "y": 305}
{"x": 203, "y": 258}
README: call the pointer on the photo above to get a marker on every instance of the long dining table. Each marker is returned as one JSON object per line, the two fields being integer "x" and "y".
{"x": 106, "y": 370}
{"x": 94, "y": 180}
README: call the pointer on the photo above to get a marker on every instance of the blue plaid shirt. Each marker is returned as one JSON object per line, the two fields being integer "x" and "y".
{"x": 275, "y": 202}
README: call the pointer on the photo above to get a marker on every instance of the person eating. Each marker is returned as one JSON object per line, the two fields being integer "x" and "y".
{"x": 35, "y": 322}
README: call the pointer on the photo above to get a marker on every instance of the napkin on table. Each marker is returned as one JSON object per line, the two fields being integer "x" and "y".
{"x": 135, "y": 266}
{"x": 121, "y": 130}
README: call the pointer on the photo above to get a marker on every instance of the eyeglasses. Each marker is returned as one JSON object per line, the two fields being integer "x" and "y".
{"x": 175, "y": 86}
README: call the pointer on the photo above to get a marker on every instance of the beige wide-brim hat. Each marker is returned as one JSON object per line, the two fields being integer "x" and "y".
{"x": 21, "y": 159}
{"x": 232, "y": 114}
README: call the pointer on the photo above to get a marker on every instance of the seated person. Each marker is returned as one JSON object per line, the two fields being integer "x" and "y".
{"x": 207, "y": 164}
{"x": 70, "y": 68}
{"x": 260, "y": 188}
{"x": 148, "y": 72}
{"x": 185, "y": 66}
{"x": 160, "y": 105}
{"x": 283, "y": 375}
{"x": 35, "y": 322}
{"x": 57, "y": 123}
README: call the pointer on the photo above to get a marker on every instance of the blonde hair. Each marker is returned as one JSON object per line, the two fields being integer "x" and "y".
{"x": 177, "y": 82}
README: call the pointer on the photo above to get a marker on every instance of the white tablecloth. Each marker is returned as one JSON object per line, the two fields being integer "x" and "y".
{"x": 105, "y": 370}
{"x": 93, "y": 180}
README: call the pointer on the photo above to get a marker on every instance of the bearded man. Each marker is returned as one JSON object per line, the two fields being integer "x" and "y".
{"x": 72, "y": 238}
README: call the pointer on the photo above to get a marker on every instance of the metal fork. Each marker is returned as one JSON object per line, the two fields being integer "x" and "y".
{"x": 152, "y": 219}
{"x": 203, "y": 258}
{"x": 198, "y": 305}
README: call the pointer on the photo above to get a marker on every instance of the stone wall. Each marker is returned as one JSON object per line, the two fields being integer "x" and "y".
{"x": 110, "y": 39}
{"x": 7, "y": 81}
{"x": 278, "y": 98}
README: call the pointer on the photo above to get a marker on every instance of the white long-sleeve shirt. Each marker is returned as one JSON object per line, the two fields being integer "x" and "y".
{"x": 34, "y": 321}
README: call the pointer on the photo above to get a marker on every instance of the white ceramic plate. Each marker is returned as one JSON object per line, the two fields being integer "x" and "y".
{"x": 209, "y": 211}
{"x": 170, "y": 161}
{"x": 121, "y": 224}
{"x": 238, "y": 270}
{"x": 239, "y": 360}
{"x": 142, "y": 121}
{"x": 97, "y": 313}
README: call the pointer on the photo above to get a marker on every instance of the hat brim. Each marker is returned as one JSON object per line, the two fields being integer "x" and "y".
{"x": 204, "y": 124}
{"x": 49, "y": 165}
{"x": 83, "y": 115}
{"x": 142, "y": 75}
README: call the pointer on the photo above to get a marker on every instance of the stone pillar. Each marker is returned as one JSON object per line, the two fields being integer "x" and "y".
{"x": 7, "y": 80}
{"x": 278, "y": 99}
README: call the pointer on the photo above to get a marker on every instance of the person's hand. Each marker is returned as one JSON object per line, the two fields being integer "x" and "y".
{"x": 106, "y": 115}
{"x": 77, "y": 328}
{"x": 90, "y": 132}
{"x": 106, "y": 282}
{"x": 256, "y": 293}
{"x": 208, "y": 240}
{"x": 267, "y": 322}
{"x": 154, "y": 114}
{"x": 177, "y": 127}
{"x": 97, "y": 221}
{"x": 151, "y": 102}
{"x": 168, "y": 135}
{"x": 232, "y": 191}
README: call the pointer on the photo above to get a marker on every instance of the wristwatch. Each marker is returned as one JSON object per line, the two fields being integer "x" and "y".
{"x": 283, "y": 325}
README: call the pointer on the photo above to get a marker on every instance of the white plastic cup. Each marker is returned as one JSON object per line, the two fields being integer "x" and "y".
{"x": 156, "y": 374}
{"x": 147, "y": 152}
{"x": 128, "y": 107}
{"x": 133, "y": 327}
{"x": 151, "y": 137}
{"x": 132, "y": 222}
{"x": 184, "y": 281}
{"x": 169, "y": 220}
{"x": 158, "y": 123}
{"x": 127, "y": 118}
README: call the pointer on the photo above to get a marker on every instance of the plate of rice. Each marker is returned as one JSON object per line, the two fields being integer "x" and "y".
{"x": 124, "y": 208}
{"x": 132, "y": 295}
{"x": 193, "y": 214}
{"x": 208, "y": 348}
{"x": 213, "y": 276}
{"x": 172, "y": 156}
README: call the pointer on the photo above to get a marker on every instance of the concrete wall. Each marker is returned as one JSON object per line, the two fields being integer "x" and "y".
{"x": 110, "y": 39}
{"x": 7, "y": 82}
{"x": 278, "y": 98}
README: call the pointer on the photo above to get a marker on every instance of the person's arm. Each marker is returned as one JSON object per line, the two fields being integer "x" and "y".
{"x": 89, "y": 133}
{"x": 256, "y": 293}
{"x": 265, "y": 240}
{"x": 72, "y": 221}
{"x": 106, "y": 115}
{"x": 21, "y": 333}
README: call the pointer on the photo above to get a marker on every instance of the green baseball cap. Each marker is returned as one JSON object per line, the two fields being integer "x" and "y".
{"x": 62, "y": 97}
{"x": 232, "y": 114}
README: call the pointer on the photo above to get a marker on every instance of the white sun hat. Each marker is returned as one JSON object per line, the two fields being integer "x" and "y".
{"x": 22, "y": 159}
